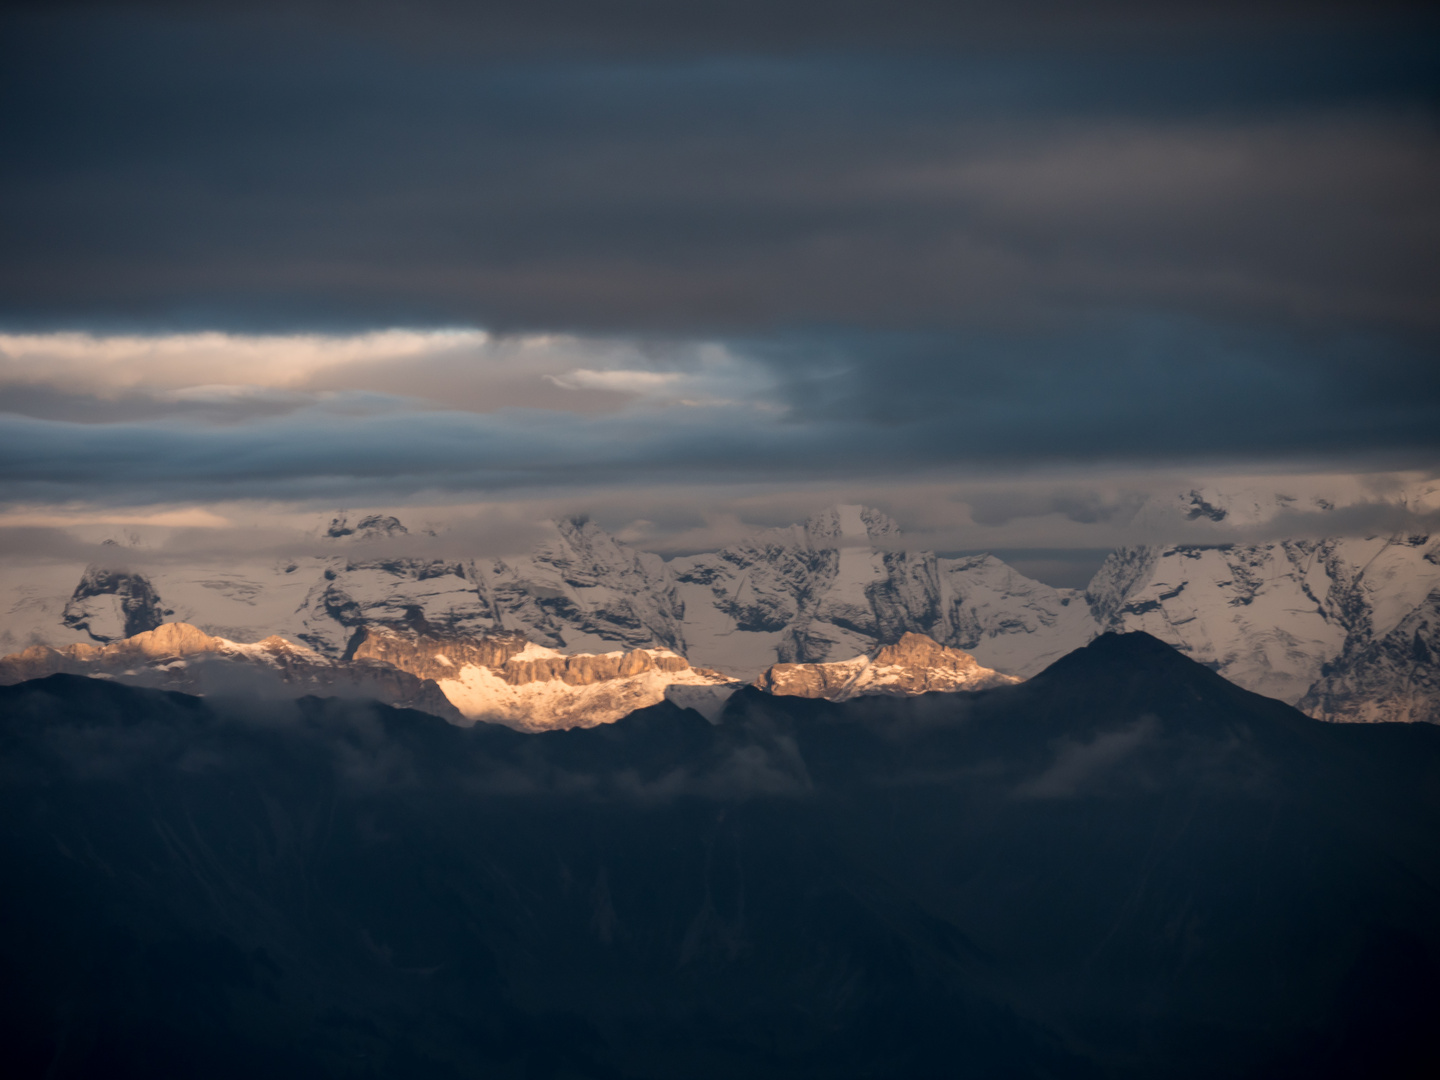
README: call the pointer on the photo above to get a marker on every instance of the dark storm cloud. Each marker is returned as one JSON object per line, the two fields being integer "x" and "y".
{"x": 165, "y": 167}
{"x": 1123, "y": 388}
{"x": 638, "y": 28}
{"x": 954, "y": 234}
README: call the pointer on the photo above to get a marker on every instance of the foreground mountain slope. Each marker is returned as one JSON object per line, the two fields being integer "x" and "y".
{"x": 1125, "y": 866}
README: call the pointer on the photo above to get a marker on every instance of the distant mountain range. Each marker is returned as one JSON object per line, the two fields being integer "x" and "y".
{"x": 1347, "y": 628}
{"x": 496, "y": 678}
{"x": 1123, "y": 867}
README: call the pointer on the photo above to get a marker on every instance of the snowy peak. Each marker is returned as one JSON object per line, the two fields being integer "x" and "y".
{"x": 1314, "y": 617}
{"x": 1291, "y": 619}
{"x": 371, "y": 527}
{"x": 178, "y": 656}
{"x": 109, "y": 604}
{"x": 167, "y": 642}
{"x": 916, "y": 664}
{"x": 1394, "y": 677}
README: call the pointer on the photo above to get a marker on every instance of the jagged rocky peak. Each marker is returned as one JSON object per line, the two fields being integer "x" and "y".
{"x": 915, "y": 664}
{"x": 179, "y": 656}
{"x": 1126, "y": 571}
{"x": 850, "y": 523}
{"x": 1197, "y": 505}
{"x": 1300, "y": 619}
{"x": 1309, "y": 617}
{"x": 432, "y": 654}
{"x": 370, "y": 527}
{"x": 511, "y": 657}
{"x": 167, "y": 642}
{"x": 581, "y": 587}
{"x": 1238, "y": 505}
{"x": 587, "y": 669}
{"x": 504, "y": 678}
{"x": 1395, "y": 677}
{"x": 111, "y": 603}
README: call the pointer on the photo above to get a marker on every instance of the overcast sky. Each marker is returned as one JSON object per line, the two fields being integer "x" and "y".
{"x": 676, "y": 263}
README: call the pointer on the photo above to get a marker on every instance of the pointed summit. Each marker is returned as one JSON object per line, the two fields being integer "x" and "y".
{"x": 1138, "y": 675}
{"x": 916, "y": 664}
{"x": 370, "y": 527}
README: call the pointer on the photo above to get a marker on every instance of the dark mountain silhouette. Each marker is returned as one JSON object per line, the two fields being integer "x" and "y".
{"x": 1124, "y": 867}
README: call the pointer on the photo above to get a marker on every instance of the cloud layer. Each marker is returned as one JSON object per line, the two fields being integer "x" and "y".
{"x": 352, "y": 253}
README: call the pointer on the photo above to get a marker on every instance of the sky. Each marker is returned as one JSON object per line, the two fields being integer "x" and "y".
{"x": 1000, "y": 269}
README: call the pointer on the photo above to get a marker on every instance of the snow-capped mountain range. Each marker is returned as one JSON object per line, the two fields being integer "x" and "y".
{"x": 178, "y": 656}
{"x": 1345, "y": 626}
{"x": 497, "y": 678}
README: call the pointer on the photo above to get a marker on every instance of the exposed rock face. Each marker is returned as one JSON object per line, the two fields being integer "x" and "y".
{"x": 178, "y": 656}
{"x": 587, "y": 669}
{"x": 373, "y": 527}
{"x": 832, "y": 586}
{"x": 915, "y": 664}
{"x": 831, "y": 681}
{"x": 505, "y": 679}
{"x": 1395, "y": 678}
{"x": 499, "y": 678}
{"x": 1279, "y": 617}
{"x": 1299, "y": 620}
{"x": 112, "y": 604}
{"x": 579, "y": 589}
{"x": 825, "y": 588}
{"x": 432, "y": 655}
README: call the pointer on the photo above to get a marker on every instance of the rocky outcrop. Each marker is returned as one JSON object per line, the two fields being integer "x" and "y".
{"x": 178, "y": 656}
{"x": 111, "y": 604}
{"x": 580, "y": 582}
{"x": 915, "y": 664}
{"x": 432, "y": 655}
{"x": 578, "y": 585}
{"x": 167, "y": 642}
{"x": 1394, "y": 678}
{"x": 503, "y": 678}
{"x": 496, "y": 678}
{"x": 587, "y": 669}
{"x": 1284, "y": 618}
{"x": 371, "y": 527}
{"x": 516, "y": 660}
{"x": 833, "y": 586}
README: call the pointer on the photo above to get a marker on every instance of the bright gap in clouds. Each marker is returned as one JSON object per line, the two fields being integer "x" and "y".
{"x": 457, "y": 368}
{"x": 173, "y": 361}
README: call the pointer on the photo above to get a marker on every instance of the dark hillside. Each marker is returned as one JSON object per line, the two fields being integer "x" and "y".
{"x": 1125, "y": 867}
